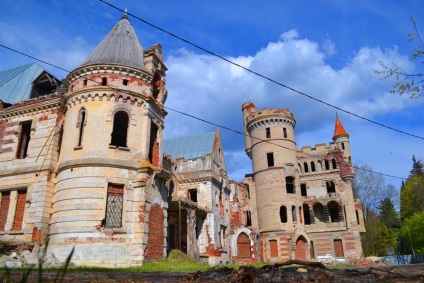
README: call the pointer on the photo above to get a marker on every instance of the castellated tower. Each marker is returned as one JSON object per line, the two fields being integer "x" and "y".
{"x": 303, "y": 198}
{"x": 110, "y": 183}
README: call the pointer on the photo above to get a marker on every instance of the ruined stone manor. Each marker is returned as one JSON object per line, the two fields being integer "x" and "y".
{"x": 84, "y": 165}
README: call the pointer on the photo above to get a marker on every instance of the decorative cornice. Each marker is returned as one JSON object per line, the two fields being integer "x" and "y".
{"x": 263, "y": 121}
{"x": 38, "y": 105}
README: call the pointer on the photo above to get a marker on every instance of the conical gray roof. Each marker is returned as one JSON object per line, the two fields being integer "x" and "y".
{"x": 120, "y": 46}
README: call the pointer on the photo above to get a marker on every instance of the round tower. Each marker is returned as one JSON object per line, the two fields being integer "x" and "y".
{"x": 109, "y": 175}
{"x": 278, "y": 197}
{"x": 341, "y": 140}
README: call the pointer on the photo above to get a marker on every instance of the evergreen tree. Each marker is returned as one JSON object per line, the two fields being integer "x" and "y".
{"x": 387, "y": 214}
{"x": 412, "y": 192}
{"x": 417, "y": 167}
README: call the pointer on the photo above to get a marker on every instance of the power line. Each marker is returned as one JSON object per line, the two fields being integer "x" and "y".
{"x": 260, "y": 75}
{"x": 188, "y": 115}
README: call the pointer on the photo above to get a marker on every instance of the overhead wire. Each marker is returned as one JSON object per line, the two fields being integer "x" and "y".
{"x": 261, "y": 75}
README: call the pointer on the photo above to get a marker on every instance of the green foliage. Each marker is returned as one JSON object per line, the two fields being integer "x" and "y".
{"x": 412, "y": 196}
{"x": 378, "y": 239}
{"x": 412, "y": 84}
{"x": 387, "y": 214}
{"x": 413, "y": 232}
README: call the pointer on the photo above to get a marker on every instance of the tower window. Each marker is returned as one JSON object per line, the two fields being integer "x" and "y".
{"x": 330, "y": 187}
{"x": 81, "y": 125}
{"x": 114, "y": 205}
{"x": 125, "y": 82}
{"x": 343, "y": 147}
{"x": 248, "y": 218}
{"x": 333, "y": 163}
{"x": 305, "y": 166}
{"x": 270, "y": 159}
{"x": 193, "y": 195}
{"x": 104, "y": 81}
{"x": 290, "y": 185}
{"x": 283, "y": 214}
{"x": 24, "y": 139}
{"x": 120, "y": 129}
{"x": 268, "y": 132}
{"x": 303, "y": 191}
{"x": 154, "y": 149}
{"x": 84, "y": 82}
{"x": 285, "y": 132}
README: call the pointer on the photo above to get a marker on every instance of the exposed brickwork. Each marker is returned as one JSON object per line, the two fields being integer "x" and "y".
{"x": 273, "y": 248}
{"x": 300, "y": 253}
{"x": 243, "y": 247}
{"x": 4, "y": 209}
{"x": 155, "y": 242}
{"x": 338, "y": 248}
{"x": 19, "y": 213}
{"x": 36, "y": 236}
{"x": 156, "y": 153}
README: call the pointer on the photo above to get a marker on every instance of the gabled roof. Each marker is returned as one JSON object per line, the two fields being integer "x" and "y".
{"x": 16, "y": 83}
{"x": 189, "y": 147}
{"x": 339, "y": 130}
{"x": 120, "y": 47}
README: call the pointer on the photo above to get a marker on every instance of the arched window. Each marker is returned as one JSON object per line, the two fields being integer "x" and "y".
{"x": 294, "y": 214}
{"x": 82, "y": 117}
{"x": 319, "y": 213}
{"x": 319, "y": 165}
{"x": 327, "y": 165}
{"x": 305, "y": 166}
{"x": 333, "y": 162}
{"x": 283, "y": 214}
{"x": 120, "y": 129}
{"x": 300, "y": 167}
{"x": 333, "y": 211}
{"x": 306, "y": 214}
{"x": 313, "y": 166}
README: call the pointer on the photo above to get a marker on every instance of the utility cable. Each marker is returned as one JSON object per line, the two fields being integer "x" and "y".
{"x": 189, "y": 115}
{"x": 262, "y": 76}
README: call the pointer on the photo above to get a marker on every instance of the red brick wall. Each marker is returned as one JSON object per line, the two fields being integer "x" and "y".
{"x": 4, "y": 209}
{"x": 274, "y": 248}
{"x": 20, "y": 208}
{"x": 155, "y": 241}
{"x": 243, "y": 247}
{"x": 156, "y": 153}
{"x": 338, "y": 248}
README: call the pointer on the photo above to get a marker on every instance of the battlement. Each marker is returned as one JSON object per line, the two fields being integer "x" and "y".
{"x": 317, "y": 149}
{"x": 268, "y": 112}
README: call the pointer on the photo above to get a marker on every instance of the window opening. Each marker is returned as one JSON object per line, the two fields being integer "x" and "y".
{"x": 270, "y": 159}
{"x": 283, "y": 214}
{"x": 125, "y": 82}
{"x": 156, "y": 86}
{"x": 330, "y": 187}
{"x": 338, "y": 248}
{"x": 222, "y": 235}
{"x": 104, "y": 81}
{"x": 114, "y": 206}
{"x": 285, "y": 132}
{"x": 84, "y": 82}
{"x": 59, "y": 140}
{"x": 313, "y": 166}
{"x": 81, "y": 125}
{"x": 248, "y": 218}
{"x": 306, "y": 214}
{"x": 24, "y": 139}
{"x": 327, "y": 165}
{"x": 273, "y": 248}
{"x": 294, "y": 214}
{"x": 357, "y": 217}
{"x": 333, "y": 162}
{"x": 247, "y": 191}
{"x": 312, "y": 252}
{"x": 290, "y": 185}
{"x": 343, "y": 146}
{"x": 154, "y": 145}
{"x": 120, "y": 129}
{"x": 305, "y": 166}
{"x": 193, "y": 195}
{"x": 4, "y": 209}
{"x": 333, "y": 210}
{"x": 268, "y": 132}
{"x": 303, "y": 190}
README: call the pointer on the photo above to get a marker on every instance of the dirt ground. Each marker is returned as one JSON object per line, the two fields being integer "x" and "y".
{"x": 270, "y": 273}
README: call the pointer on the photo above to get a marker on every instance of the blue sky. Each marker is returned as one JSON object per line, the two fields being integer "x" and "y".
{"x": 327, "y": 49}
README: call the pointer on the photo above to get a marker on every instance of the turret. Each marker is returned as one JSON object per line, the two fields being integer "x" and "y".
{"x": 341, "y": 140}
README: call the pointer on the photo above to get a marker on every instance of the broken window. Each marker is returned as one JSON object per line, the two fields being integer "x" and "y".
{"x": 120, "y": 129}
{"x": 24, "y": 139}
{"x": 156, "y": 85}
{"x": 319, "y": 213}
{"x": 270, "y": 159}
{"x": 81, "y": 124}
{"x": 268, "y": 132}
{"x": 294, "y": 214}
{"x": 114, "y": 206}
{"x": 248, "y": 218}
{"x": 357, "y": 217}
{"x": 104, "y": 81}
{"x": 283, "y": 214}
{"x": 330, "y": 187}
{"x": 333, "y": 210}
{"x": 84, "y": 82}
{"x": 285, "y": 133}
{"x": 154, "y": 145}
{"x": 125, "y": 82}
{"x": 223, "y": 236}
{"x": 193, "y": 195}
{"x": 305, "y": 166}
{"x": 247, "y": 191}
{"x": 312, "y": 166}
{"x": 333, "y": 162}
{"x": 343, "y": 146}
{"x": 290, "y": 185}
{"x": 303, "y": 190}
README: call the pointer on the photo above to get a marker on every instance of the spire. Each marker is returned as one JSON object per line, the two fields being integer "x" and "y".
{"x": 339, "y": 130}
{"x": 119, "y": 47}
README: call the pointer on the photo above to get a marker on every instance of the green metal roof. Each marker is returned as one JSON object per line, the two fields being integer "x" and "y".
{"x": 189, "y": 147}
{"x": 16, "y": 83}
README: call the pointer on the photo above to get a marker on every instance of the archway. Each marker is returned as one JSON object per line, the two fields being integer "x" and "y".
{"x": 155, "y": 240}
{"x": 243, "y": 246}
{"x": 300, "y": 253}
